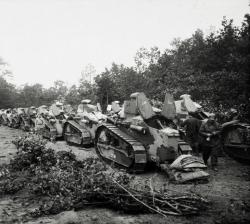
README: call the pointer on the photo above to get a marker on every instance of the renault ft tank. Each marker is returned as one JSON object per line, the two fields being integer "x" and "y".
{"x": 68, "y": 110}
{"x": 235, "y": 135}
{"x": 24, "y": 123}
{"x": 13, "y": 119}
{"x": 236, "y": 140}
{"x": 3, "y": 117}
{"x": 31, "y": 113}
{"x": 6, "y": 117}
{"x": 56, "y": 120}
{"x": 138, "y": 136}
{"x": 1, "y": 112}
{"x": 81, "y": 128}
{"x": 186, "y": 106}
{"x": 114, "y": 108}
{"x": 43, "y": 124}
{"x": 27, "y": 118}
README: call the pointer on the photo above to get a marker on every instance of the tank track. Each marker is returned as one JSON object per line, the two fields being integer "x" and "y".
{"x": 139, "y": 159}
{"x": 49, "y": 132}
{"x": 82, "y": 138}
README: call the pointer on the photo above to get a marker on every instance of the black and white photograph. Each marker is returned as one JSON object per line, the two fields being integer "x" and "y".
{"x": 124, "y": 111}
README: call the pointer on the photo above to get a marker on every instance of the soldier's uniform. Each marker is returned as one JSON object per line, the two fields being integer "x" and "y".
{"x": 192, "y": 126}
{"x": 209, "y": 132}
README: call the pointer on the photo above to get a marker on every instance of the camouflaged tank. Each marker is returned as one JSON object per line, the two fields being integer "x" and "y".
{"x": 23, "y": 119}
{"x": 80, "y": 129}
{"x": 137, "y": 136}
{"x": 50, "y": 121}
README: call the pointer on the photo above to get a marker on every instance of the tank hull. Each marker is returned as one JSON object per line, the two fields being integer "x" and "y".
{"x": 236, "y": 141}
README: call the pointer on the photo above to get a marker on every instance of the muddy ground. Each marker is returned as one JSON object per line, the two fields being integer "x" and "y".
{"x": 228, "y": 191}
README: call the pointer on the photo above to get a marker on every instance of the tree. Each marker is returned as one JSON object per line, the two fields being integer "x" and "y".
{"x": 7, "y": 90}
{"x": 88, "y": 74}
{"x": 60, "y": 89}
{"x": 73, "y": 97}
{"x": 215, "y": 67}
{"x": 145, "y": 57}
{"x": 117, "y": 83}
{"x": 105, "y": 88}
{"x": 31, "y": 95}
{"x": 7, "y": 94}
{"x": 86, "y": 90}
{"x": 4, "y": 68}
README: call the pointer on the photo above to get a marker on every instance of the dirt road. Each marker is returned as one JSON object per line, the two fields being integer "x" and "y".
{"x": 228, "y": 190}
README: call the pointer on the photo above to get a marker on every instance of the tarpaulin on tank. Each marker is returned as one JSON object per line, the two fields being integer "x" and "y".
{"x": 26, "y": 110}
{"x": 31, "y": 110}
{"x": 188, "y": 103}
{"x": 68, "y": 108}
{"x": 144, "y": 107}
{"x": 42, "y": 109}
{"x": 169, "y": 110}
{"x": 115, "y": 107}
{"x": 98, "y": 106}
{"x": 56, "y": 110}
{"x": 130, "y": 107}
{"x": 20, "y": 110}
{"x": 86, "y": 108}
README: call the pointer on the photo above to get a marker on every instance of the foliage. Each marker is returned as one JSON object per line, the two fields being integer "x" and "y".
{"x": 106, "y": 90}
{"x": 63, "y": 183}
{"x": 73, "y": 96}
{"x": 4, "y": 68}
{"x": 213, "y": 68}
{"x": 12, "y": 184}
{"x": 32, "y": 153}
{"x": 144, "y": 58}
{"x": 86, "y": 90}
{"x": 7, "y": 93}
{"x": 117, "y": 83}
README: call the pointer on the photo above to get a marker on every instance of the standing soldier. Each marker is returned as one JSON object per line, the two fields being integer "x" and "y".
{"x": 209, "y": 132}
{"x": 192, "y": 127}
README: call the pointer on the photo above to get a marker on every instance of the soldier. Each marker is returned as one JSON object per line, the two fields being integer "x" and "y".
{"x": 192, "y": 127}
{"x": 209, "y": 132}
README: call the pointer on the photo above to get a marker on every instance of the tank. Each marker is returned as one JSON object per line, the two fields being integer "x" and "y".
{"x": 3, "y": 117}
{"x": 137, "y": 136}
{"x": 80, "y": 129}
{"x": 24, "y": 123}
{"x": 236, "y": 140}
{"x": 235, "y": 135}
{"x": 57, "y": 119}
{"x": 114, "y": 108}
{"x": 68, "y": 110}
{"x": 13, "y": 118}
{"x": 44, "y": 123}
{"x": 185, "y": 106}
{"x": 1, "y": 113}
{"x": 31, "y": 113}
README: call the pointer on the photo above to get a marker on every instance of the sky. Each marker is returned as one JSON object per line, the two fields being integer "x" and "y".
{"x": 48, "y": 40}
